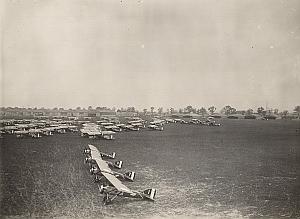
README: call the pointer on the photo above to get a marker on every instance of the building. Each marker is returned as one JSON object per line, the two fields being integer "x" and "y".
{"x": 15, "y": 112}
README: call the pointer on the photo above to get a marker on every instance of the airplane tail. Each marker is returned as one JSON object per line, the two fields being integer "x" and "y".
{"x": 118, "y": 164}
{"x": 113, "y": 155}
{"x": 150, "y": 194}
{"x": 130, "y": 175}
{"x": 110, "y": 156}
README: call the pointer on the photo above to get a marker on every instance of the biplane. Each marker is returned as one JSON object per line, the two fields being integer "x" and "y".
{"x": 113, "y": 128}
{"x": 48, "y": 131}
{"x": 35, "y": 133}
{"x": 170, "y": 120}
{"x": 131, "y": 128}
{"x": 112, "y": 187}
{"x": 108, "y": 135}
{"x": 21, "y": 134}
{"x": 194, "y": 121}
{"x": 156, "y": 127}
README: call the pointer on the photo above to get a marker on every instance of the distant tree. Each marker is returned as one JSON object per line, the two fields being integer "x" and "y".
{"x": 145, "y": 111}
{"x": 212, "y": 109}
{"x": 189, "y": 109}
{"x": 276, "y": 111}
{"x": 202, "y": 111}
{"x": 152, "y": 110}
{"x": 61, "y": 108}
{"x": 113, "y": 109}
{"x": 249, "y": 112}
{"x": 90, "y": 108}
{"x": 180, "y": 111}
{"x": 228, "y": 110}
{"x": 130, "y": 109}
{"x": 284, "y": 113}
{"x": 260, "y": 110}
{"x": 160, "y": 110}
{"x": 297, "y": 110}
{"x": 78, "y": 108}
{"x": 172, "y": 110}
{"x": 98, "y": 108}
{"x": 233, "y": 110}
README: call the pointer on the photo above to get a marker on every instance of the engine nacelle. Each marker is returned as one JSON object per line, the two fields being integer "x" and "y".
{"x": 102, "y": 189}
{"x": 94, "y": 170}
{"x": 130, "y": 175}
{"x": 87, "y": 151}
{"x": 118, "y": 164}
{"x": 88, "y": 160}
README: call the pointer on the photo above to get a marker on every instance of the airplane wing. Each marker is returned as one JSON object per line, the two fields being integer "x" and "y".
{"x": 102, "y": 165}
{"x": 106, "y": 171}
{"x": 94, "y": 152}
{"x": 116, "y": 183}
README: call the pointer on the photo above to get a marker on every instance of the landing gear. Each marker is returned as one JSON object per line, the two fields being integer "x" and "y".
{"x": 106, "y": 200}
{"x": 97, "y": 178}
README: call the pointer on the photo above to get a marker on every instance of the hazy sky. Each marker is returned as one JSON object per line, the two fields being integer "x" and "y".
{"x": 167, "y": 53}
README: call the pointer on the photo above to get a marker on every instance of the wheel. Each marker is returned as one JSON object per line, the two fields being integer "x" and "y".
{"x": 106, "y": 200}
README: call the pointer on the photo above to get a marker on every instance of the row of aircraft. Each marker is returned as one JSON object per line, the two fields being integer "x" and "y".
{"x": 93, "y": 130}
{"x": 35, "y": 128}
{"x": 132, "y": 124}
{"x": 107, "y": 129}
{"x": 109, "y": 181}
{"x": 208, "y": 122}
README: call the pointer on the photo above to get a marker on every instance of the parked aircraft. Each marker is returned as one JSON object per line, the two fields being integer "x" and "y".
{"x": 113, "y": 187}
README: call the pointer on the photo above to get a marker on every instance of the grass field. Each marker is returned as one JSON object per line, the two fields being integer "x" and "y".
{"x": 241, "y": 169}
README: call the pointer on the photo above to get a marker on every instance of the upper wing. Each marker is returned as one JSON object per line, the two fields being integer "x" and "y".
{"x": 106, "y": 171}
{"x": 94, "y": 151}
{"x": 95, "y": 154}
{"x": 116, "y": 183}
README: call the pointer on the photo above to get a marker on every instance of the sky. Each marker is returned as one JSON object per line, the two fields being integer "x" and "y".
{"x": 144, "y": 53}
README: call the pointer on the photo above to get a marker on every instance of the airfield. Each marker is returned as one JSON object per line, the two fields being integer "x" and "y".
{"x": 242, "y": 169}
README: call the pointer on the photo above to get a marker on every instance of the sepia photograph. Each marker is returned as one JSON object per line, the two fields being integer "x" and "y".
{"x": 150, "y": 109}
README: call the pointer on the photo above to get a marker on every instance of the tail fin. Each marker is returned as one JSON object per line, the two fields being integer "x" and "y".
{"x": 118, "y": 164}
{"x": 113, "y": 155}
{"x": 150, "y": 194}
{"x": 130, "y": 175}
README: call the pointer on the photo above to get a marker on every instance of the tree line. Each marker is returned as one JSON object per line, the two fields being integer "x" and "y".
{"x": 227, "y": 110}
